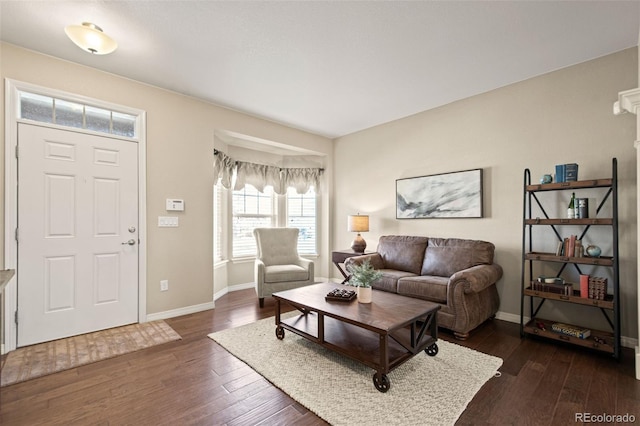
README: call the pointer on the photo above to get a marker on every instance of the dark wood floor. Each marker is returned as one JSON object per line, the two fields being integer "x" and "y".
{"x": 195, "y": 381}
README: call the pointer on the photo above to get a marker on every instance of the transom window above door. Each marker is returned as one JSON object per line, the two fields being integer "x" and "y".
{"x": 47, "y": 109}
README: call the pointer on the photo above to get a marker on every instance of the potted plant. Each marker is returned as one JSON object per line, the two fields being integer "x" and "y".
{"x": 362, "y": 275}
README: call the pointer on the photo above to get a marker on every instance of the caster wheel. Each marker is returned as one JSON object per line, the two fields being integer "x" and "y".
{"x": 382, "y": 384}
{"x": 280, "y": 333}
{"x": 432, "y": 350}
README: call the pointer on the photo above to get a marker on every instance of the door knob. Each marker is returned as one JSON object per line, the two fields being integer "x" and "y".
{"x": 131, "y": 242}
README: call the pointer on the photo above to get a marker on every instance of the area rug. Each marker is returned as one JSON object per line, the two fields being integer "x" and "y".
{"x": 41, "y": 359}
{"x": 424, "y": 390}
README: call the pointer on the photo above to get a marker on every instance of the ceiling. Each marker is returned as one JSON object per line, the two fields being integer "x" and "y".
{"x": 329, "y": 67}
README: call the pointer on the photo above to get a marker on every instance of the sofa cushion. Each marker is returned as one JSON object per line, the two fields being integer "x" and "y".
{"x": 445, "y": 257}
{"x": 404, "y": 253}
{"x": 446, "y": 261}
{"x": 431, "y": 288}
{"x": 389, "y": 280}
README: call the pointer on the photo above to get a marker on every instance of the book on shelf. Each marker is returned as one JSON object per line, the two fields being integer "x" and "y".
{"x": 571, "y": 249}
{"x": 560, "y": 169}
{"x": 584, "y": 286}
{"x": 593, "y": 287}
{"x": 566, "y": 289}
{"x": 570, "y": 246}
{"x": 559, "y": 248}
{"x": 597, "y": 288}
{"x": 566, "y": 172}
{"x": 570, "y": 330}
{"x": 570, "y": 172}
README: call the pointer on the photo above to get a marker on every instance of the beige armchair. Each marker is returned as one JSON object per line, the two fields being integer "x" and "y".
{"x": 278, "y": 265}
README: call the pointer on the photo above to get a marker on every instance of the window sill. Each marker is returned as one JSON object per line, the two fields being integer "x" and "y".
{"x": 243, "y": 259}
{"x": 220, "y": 264}
{"x": 239, "y": 260}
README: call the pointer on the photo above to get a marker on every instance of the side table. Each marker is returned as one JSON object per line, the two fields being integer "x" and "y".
{"x": 339, "y": 256}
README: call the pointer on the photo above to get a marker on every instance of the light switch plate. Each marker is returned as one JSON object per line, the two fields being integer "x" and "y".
{"x": 167, "y": 221}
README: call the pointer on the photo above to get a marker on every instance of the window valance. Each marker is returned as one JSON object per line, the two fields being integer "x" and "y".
{"x": 258, "y": 175}
{"x": 262, "y": 175}
{"x": 223, "y": 167}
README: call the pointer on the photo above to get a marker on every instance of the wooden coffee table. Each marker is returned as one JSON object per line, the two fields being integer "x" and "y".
{"x": 382, "y": 334}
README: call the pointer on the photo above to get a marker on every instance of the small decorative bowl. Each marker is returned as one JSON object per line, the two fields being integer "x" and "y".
{"x": 546, "y": 179}
{"x": 593, "y": 251}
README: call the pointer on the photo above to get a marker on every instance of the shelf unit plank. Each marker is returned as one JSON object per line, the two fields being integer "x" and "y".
{"x": 582, "y": 222}
{"x": 575, "y": 298}
{"x": 551, "y": 257}
{"x": 593, "y": 183}
{"x": 608, "y": 347}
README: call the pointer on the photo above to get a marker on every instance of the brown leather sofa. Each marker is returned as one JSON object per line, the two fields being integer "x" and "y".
{"x": 457, "y": 274}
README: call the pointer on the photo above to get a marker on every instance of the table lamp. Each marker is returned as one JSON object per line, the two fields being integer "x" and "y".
{"x": 358, "y": 223}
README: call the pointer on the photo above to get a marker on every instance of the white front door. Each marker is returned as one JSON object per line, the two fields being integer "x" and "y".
{"x": 77, "y": 233}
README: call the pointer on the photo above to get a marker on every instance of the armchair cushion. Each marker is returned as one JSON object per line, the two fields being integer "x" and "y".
{"x": 277, "y": 246}
{"x": 285, "y": 273}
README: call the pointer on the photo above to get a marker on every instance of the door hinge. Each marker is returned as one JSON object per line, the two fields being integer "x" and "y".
{"x": 16, "y": 234}
{"x": 16, "y": 317}
{"x": 17, "y": 154}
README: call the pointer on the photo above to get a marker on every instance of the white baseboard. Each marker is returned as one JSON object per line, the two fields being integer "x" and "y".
{"x": 505, "y": 316}
{"x": 626, "y": 342}
{"x": 245, "y": 286}
{"x": 232, "y": 288}
{"x": 180, "y": 311}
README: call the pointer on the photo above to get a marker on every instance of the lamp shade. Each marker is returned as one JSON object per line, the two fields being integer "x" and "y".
{"x": 358, "y": 223}
{"x": 90, "y": 38}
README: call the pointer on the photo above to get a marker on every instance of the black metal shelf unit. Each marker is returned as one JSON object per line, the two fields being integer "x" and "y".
{"x": 604, "y": 341}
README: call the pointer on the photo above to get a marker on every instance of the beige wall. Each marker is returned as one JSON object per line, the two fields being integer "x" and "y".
{"x": 180, "y": 140}
{"x": 561, "y": 117}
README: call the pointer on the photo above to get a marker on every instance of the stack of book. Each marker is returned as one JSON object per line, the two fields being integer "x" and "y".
{"x": 593, "y": 287}
{"x": 565, "y": 289}
{"x": 570, "y": 247}
{"x": 597, "y": 288}
{"x": 569, "y": 330}
{"x": 566, "y": 172}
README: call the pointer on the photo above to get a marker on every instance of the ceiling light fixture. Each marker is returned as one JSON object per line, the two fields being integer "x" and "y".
{"x": 90, "y": 38}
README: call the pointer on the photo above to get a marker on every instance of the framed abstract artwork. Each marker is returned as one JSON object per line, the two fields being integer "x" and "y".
{"x": 446, "y": 195}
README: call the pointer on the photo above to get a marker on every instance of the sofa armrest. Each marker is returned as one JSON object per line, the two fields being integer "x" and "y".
{"x": 476, "y": 278}
{"x": 374, "y": 258}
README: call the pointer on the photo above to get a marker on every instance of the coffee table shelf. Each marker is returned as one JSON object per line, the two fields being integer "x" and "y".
{"x": 379, "y": 335}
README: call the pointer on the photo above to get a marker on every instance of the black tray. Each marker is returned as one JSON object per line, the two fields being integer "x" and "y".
{"x": 341, "y": 295}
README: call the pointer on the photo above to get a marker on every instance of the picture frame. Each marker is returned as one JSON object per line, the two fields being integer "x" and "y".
{"x": 444, "y": 195}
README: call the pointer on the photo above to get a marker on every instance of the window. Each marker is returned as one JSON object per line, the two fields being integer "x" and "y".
{"x": 251, "y": 209}
{"x": 47, "y": 109}
{"x": 217, "y": 223}
{"x": 301, "y": 214}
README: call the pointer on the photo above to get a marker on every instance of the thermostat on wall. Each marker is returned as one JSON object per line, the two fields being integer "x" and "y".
{"x": 175, "y": 205}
